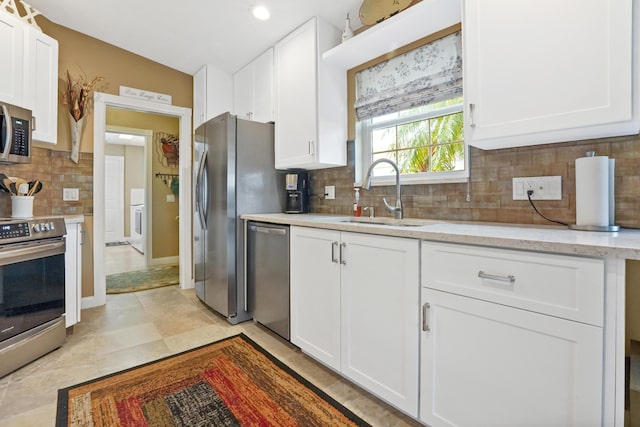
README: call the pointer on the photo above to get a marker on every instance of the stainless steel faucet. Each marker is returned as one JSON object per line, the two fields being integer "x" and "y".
{"x": 397, "y": 209}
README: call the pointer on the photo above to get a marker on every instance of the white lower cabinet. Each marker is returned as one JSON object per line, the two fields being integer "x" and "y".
{"x": 73, "y": 272}
{"x": 485, "y": 362}
{"x": 315, "y": 294}
{"x": 355, "y": 308}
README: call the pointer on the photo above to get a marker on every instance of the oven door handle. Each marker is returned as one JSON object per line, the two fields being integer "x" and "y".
{"x": 11, "y": 255}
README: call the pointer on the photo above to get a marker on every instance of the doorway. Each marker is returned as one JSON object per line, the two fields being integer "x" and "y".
{"x": 126, "y": 169}
{"x": 101, "y": 102}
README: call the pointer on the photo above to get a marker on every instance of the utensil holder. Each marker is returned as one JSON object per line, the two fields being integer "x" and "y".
{"x": 22, "y": 206}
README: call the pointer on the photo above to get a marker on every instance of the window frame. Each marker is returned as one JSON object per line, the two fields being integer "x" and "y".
{"x": 364, "y": 152}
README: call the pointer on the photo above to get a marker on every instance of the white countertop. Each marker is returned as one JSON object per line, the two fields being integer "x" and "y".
{"x": 73, "y": 219}
{"x": 623, "y": 244}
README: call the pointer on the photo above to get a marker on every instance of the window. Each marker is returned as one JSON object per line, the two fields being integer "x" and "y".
{"x": 409, "y": 110}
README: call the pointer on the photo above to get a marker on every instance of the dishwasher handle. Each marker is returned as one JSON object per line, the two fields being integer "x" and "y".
{"x": 268, "y": 230}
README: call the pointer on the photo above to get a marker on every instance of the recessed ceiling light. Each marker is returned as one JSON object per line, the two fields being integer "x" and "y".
{"x": 261, "y": 12}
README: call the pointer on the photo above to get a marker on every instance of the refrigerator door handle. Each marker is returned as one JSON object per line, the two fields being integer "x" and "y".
{"x": 200, "y": 192}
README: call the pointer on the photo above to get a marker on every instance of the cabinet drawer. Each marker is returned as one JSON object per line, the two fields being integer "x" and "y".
{"x": 558, "y": 285}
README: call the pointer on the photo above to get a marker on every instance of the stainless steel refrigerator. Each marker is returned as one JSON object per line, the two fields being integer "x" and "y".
{"x": 234, "y": 175}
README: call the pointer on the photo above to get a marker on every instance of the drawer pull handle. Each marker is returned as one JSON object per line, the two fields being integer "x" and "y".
{"x": 508, "y": 279}
{"x": 425, "y": 317}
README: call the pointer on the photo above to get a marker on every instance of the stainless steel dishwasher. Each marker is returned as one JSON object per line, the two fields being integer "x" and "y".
{"x": 268, "y": 275}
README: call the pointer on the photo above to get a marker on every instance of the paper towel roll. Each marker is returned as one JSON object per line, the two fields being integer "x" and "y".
{"x": 612, "y": 191}
{"x": 592, "y": 191}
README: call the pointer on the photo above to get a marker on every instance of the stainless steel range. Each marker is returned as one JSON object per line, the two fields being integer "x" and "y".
{"x": 32, "y": 273}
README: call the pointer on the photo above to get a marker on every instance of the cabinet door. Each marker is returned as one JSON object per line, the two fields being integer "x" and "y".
{"x": 296, "y": 98}
{"x": 539, "y": 72}
{"x": 263, "y": 87}
{"x": 41, "y": 84}
{"x": 380, "y": 316}
{"x": 315, "y": 293}
{"x": 199, "y": 97}
{"x": 243, "y": 93}
{"x": 485, "y": 364}
{"x": 73, "y": 274}
{"x": 11, "y": 65}
{"x": 219, "y": 92}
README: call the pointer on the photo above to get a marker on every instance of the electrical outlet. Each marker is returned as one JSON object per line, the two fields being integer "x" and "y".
{"x": 329, "y": 192}
{"x": 543, "y": 187}
{"x": 70, "y": 194}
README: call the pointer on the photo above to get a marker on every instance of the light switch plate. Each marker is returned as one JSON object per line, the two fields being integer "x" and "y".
{"x": 544, "y": 188}
{"x": 329, "y": 192}
{"x": 70, "y": 194}
{"x": 171, "y": 198}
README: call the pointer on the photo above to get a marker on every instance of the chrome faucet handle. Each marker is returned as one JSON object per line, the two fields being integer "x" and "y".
{"x": 371, "y": 211}
{"x": 395, "y": 210}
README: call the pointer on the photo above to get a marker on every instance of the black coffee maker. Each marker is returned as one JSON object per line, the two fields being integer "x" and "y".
{"x": 297, "y": 186}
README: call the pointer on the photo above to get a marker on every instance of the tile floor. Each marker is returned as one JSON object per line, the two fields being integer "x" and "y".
{"x": 120, "y": 259}
{"x": 139, "y": 327}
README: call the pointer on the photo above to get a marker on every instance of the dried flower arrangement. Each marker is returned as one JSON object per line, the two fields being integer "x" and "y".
{"x": 78, "y": 95}
{"x": 77, "y": 98}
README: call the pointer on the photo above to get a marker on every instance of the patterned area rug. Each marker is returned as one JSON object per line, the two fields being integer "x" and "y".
{"x": 232, "y": 382}
{"x": 133, "y": 281}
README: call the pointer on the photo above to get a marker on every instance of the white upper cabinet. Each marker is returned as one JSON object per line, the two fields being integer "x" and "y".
{"x": 12, "y": 64}
{"x": 253, "y": 89}
{"x": 310, "y": 100}
{"x": 542, "y": 72}
{"x": 41, "y": 84}
{"x": 29, "y": 70}
{"x": 212, "y": 94}
{"x": 199, "y": 97}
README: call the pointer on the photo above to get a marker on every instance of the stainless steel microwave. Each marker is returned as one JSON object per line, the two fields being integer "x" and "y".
{"x": 15, "y": 136}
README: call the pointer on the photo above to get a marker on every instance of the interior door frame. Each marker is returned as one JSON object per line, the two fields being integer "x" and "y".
{"x": 101, "y": 102}
{"x": 148, "y": 178}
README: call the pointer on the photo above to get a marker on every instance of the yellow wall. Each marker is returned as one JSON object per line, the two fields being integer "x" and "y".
{"x": 89, "y": 57}
{"x": 165, "y": 234}
{"x": 85, "y": 56}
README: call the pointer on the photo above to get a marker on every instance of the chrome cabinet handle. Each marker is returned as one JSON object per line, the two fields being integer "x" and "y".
{"x": 425, "y": 317}
{"x": 311, "y": 149}
{"x": 334, "y": 245}
{"x": 508, "y": 279}
{"x": 343, "y": 250}
{"x": 472, "y": 112}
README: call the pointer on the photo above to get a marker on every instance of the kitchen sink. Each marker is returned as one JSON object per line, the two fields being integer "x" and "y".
{"x": 391, "y": 221}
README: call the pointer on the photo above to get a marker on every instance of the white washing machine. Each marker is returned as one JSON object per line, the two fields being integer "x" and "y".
{"x": 137, "y": 218}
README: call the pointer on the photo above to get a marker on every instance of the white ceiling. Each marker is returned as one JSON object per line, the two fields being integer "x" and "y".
{"x": 186, "y": 34}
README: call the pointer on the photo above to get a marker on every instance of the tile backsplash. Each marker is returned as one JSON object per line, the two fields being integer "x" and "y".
{"x": 56, "y": 171}
{"x": 490, "y": 189}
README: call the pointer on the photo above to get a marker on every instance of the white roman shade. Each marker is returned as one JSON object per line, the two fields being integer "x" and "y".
{"x": 427, "y": 74}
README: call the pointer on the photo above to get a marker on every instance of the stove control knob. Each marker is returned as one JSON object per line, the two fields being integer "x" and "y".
{"x": 52, "y": 226}
{"x": 37, "y": 228}
{"x": 45, "y": 226}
